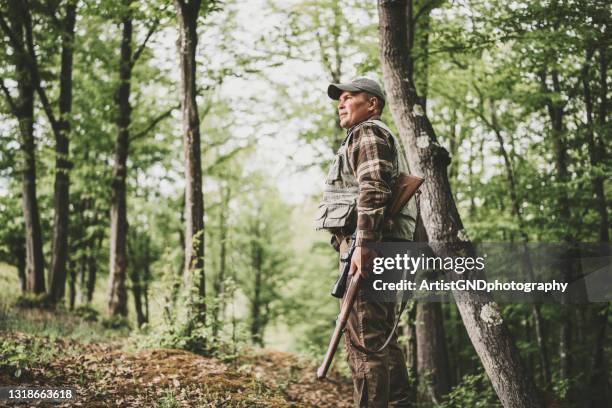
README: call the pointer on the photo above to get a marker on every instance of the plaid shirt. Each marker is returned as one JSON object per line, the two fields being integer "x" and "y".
{"x": 371, "y": 154}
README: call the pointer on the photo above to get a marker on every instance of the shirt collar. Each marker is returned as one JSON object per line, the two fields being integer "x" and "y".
{"x": 373, "y": 117}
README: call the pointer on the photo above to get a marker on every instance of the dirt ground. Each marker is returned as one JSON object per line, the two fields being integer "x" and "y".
{"x": 104, "y": 375}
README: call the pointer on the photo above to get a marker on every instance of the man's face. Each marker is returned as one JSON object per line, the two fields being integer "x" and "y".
{"x": 354, "y": 108}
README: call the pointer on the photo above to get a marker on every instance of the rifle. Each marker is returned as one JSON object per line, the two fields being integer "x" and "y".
{"x": 404, "y": 189}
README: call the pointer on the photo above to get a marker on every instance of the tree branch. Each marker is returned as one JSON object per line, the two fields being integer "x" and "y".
{"x": 9, "y": 98}
{"x": 428, "y": 6}
{"x": 28, "y": 50}
{"x": 10, "y": 33}
{"x": 142, "y": 46}
{"x": 223, "y": 158}
{"x": 50, "y": 9}
{"x": 33, "y": 64}
{"x": 478, "y": 112}
{"x": 154, "y": 123}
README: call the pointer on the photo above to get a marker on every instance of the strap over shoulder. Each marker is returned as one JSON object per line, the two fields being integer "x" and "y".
{"x": 381, "y": 124}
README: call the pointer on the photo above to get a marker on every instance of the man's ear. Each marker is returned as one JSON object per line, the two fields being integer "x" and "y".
{"x": 373, "y": 104}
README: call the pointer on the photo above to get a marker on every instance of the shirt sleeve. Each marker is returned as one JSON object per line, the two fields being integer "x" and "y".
{"x": 371, "y": 156}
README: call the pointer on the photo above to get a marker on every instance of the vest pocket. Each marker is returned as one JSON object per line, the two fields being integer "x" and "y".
{"x": 334, "y": 215}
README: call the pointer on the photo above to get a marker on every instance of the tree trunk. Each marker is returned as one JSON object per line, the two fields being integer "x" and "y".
{"x": 145, "y": 281}
{"x": 24, "y": 111}
{"x": 410, "y": 34}
{"x": 257, "y": 304}
{"x": 146, "y": 301}
{"x": 432, "y": 357}
{"x": 411, "y": 346}
{"x": 81, "y": 279}
{"x": 72, "y": 287}
{"x": 117, "y": 299}
{"x": 428, "y": 159}
{"x": 527, "y": 264}
{"x": 598, "y": 380}
{"x": 20, "y": 255}
{"x": 139, "y": 272}
{"x": 455, "y": 142}
{"x": 21, "y": 273}
{"x": 187, "y": 14}
{"x": 220, "y": 279}
{"x": 57, "y": 273}
{"x": 601, "y": 146}
{"x": 455, "y": 345}
{"x": 181, "y": 236}
{"x": 596, "y": 148}
{"x": 137, "y": 292}
{"x": 599, "y": 376}
{"x": 80, "y": 208}
{"x": 92, "y": 270}
{"x": 556, "y": 114}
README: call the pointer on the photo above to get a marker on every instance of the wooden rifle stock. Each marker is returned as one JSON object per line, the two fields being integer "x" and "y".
{"x": 345, "y": 311}
{"x": 404, "y": 189}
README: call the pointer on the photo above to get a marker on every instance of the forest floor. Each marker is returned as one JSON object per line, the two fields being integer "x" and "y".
{"x": 103, "y": 374}
{"x": 113, "y": 367}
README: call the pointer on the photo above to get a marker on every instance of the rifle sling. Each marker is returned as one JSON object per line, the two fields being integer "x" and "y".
{"x": 389, "y": 337}
{"x": 399, "y": 315}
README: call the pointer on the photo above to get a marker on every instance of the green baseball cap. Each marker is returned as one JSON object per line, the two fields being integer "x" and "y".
{"x": 360, "y": 84}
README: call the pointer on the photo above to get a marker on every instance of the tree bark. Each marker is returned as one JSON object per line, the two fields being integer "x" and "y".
{"x": 432, "y": 357}
{"x": 72, "y": 288}
{"x": 455, "y": 345}
{"x": 24, "y": 112}
{"x": 145, "y": 280}
{"x": 81, "y": 279}
{"x": 256, "y": 303}
{"x": 484, "y": 324}
{"x": 92, "y": 269}
{"x": 21, "y": 271}
{"x": 117, "y": 299}
{"x": 411, "y": 347}
{"x": 138, "y": 274}
{"x": 187, "y": 13}
{"x": 138, "y": 295}
{"x": 57, "y": 273}
{"x": 220, "y": 279}
{"x": 92, "y": 246}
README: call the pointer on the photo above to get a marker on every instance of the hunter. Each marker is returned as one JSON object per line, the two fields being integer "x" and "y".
{"x": 357, "y": 191}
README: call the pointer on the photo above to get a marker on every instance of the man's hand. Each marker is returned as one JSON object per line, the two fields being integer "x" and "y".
{"x": 362, "y": 260}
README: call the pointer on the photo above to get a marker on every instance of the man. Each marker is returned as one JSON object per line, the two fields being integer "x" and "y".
{"x": 357, "y": 190}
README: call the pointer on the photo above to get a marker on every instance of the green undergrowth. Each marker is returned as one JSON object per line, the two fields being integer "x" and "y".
{"x": 81, "y": 324}
{"x": 20, "y": 354}
{"x": 473, "y": 391}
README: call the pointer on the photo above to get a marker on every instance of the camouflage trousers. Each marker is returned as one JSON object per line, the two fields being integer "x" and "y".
{"x": 379, "y": 379}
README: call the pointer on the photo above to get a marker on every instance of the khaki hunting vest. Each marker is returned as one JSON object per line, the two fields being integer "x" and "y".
{"x": 337, "y": 210}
